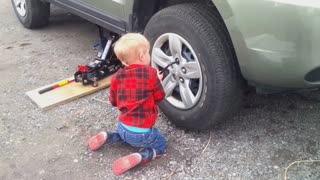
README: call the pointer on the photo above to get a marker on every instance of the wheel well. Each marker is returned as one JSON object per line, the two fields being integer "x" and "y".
{"x": 143, "y": 10}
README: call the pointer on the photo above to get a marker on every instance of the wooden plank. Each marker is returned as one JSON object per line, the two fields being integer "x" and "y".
{"x": 65, "y": 93}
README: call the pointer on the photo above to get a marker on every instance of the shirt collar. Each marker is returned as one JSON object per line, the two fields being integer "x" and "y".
{"x": 131, "y": 66}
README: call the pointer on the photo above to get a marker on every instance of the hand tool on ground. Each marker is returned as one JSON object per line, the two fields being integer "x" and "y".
{"x": 59, "y": 84}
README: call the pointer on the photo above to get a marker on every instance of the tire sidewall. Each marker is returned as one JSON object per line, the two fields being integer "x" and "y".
{"x": 25, "y": 20}
{"x": 37, "y": 14}
{"x": 187, "y": 117}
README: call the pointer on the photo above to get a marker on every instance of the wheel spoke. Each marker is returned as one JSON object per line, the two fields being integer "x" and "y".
{"x": 193, "y": 70}
{"x": 20, "y": 6}
{"x": 175, "y": 45}
{"x": 186, "y": 94}
{"x": 169, "y": 84}
{"x": 17, "y": 3}
{"x": 23, "y": 7}
{"x": 160, "y": 58}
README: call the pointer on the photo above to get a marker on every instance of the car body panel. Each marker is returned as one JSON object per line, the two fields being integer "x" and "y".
{"x": 128, "y": 8}
{"x": 114, "y": 7}
{"x": 98, "y": 15}
{"x": 276, "y": 41}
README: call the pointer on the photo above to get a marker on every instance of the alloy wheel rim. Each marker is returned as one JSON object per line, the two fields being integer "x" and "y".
{"x": 20, "y": 6}
{"x": 183, "y": 81}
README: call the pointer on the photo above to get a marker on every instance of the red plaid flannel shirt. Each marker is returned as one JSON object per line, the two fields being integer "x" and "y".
{"x": 135, "y": 90}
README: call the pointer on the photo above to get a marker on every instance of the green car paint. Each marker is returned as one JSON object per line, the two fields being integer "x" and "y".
{"x": 118, "y": 8}
{"x": 276, "y": 41}
{"x": 114, "y": 7}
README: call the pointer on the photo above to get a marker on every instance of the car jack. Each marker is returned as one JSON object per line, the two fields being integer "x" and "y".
{"x": 103, "y": 65}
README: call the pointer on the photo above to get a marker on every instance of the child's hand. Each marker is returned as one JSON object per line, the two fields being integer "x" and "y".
{"x": 160, "y": 75}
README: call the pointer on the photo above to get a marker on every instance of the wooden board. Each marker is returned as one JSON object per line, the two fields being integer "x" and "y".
{"x": 65, "y": 93}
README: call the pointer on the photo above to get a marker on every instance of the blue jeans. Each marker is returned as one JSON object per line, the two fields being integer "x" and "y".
{"x": 151, "y": 139}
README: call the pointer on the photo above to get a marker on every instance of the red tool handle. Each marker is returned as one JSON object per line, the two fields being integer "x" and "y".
{"x": 59, "y": 84}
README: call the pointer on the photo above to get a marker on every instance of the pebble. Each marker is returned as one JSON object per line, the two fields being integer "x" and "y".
{"x": 173, "y": 162}
{"x": 42, "y": 172}
{"x": 75, "y": 160}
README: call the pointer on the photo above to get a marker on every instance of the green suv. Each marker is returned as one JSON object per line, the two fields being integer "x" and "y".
{"x": 219, "y": 46}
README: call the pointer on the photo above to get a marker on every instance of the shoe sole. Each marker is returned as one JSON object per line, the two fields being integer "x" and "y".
{"x": 95, "y": 142}
{"x": 125, "y": 163}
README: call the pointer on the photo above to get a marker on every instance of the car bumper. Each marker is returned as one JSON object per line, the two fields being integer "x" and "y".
{"x": 277, "y": 41}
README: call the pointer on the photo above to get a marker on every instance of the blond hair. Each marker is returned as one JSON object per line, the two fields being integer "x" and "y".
{"x": 130, "y": 46}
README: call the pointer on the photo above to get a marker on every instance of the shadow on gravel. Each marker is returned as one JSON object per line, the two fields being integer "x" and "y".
{"x": 273, "y": 106}
{"x": 277, "y": 129}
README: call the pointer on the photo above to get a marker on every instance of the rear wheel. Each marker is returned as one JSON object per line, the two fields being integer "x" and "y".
{"x": 204, "y": 87}
{"x": 32, "y": 13}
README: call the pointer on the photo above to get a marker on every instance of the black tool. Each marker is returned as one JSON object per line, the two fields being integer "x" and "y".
{"x": 101, "y": 67}
{"x": 165, "y": 68}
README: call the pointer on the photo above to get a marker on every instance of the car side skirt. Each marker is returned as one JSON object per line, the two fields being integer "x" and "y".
{"x": 93, "y": 15}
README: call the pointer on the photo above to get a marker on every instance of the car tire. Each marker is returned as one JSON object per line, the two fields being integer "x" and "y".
{"x": 32, "y": 13}
{"x": 199, "y": 28}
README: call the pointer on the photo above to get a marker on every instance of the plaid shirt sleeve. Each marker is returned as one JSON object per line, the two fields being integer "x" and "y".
{"x": 113, "y": 91}
{"x": 158, "y": 94}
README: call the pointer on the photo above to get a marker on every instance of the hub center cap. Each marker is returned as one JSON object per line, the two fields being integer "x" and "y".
{"x": 175, "y": 71}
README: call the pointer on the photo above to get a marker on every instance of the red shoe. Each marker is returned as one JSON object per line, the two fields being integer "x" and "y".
{"x": 97, "y": 141}
{"x": 125, "y": 163}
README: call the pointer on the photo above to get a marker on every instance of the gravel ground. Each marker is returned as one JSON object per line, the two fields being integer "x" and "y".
{"x": 269, "y": 133}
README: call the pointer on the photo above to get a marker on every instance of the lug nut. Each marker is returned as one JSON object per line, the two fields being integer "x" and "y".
{"x": 181, "y": 80}
{"x": 184, "y": 70}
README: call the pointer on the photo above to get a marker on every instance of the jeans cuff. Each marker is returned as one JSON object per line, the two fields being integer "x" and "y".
{"x": 154, "y": 154}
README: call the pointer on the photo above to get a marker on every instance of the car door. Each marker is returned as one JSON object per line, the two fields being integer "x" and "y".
{"x": 109, "y": 14}
{"x": 114, "y": 8}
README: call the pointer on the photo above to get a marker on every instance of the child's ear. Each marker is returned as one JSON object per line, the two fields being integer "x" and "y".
{"x": 141, "y": 56}
{"x": 124, "y": 63}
